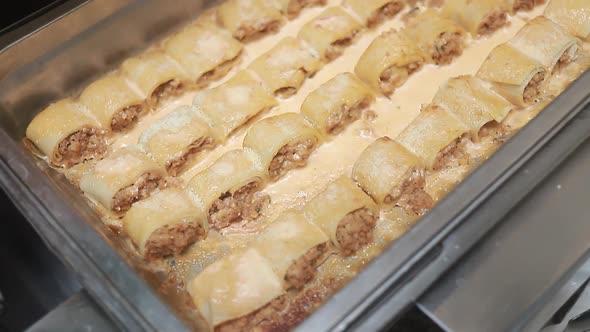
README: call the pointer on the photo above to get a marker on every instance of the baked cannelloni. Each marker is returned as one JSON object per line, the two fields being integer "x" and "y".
{"x": 114, "y": 102}
{"x": 513, "y": 75}
{"x": 123, "y": 178}
{"x": 345, "y": 213}
{"x": 392, "y": 175}
{"x": 337, "y": 103}
{"x": 66, "y": 134}
{"x": 573, "y": 15}
{"x": 282, "y": 142}
{"x": 206, "y": 52}
{"x": 294, "y": 246}
{"x": 330, "y": 33}
{"x": 480, "y": 17}
{"x": 164, "y": 224}
{"x": 286, "y": 66}
{"x": 157, "y": 75}
{"x": 227, "y": 190}
{"x": 438, "y": 36}
{"x": 439, "y": 150}
{"x": 249, "y": 18}
{"x": 230, "y": 105}
{"x": 389, "y": 60}
{"x": 292, "y": 8}
{"x": 176, "y": 138}
{"x": 546, "y": 42}
{"x": 373, "y": 12}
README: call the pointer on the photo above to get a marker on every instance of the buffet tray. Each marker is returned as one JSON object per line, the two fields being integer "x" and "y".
{"x": 60, "y": 52}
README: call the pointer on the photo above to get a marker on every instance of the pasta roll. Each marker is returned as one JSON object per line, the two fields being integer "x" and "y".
{"x": 373, "y": 12}
{"x": 435, "y": 136}
{"x": 227, "y": 189}
{"x": 66, "y": 134}
{"x": 330, "y": 33}
{"x": 294, "y": 247}
{"x": 474, "y": 104}
{"x": 174, "y": 139}
{"x": 284, "y": 68}
{"x": 165, "y": 224}
{"x": 345, "y": 213}
{"x": 292, "y": 8}
{"x": 230, "y": 105}
{"x": 234, "y": 287}
{"x": 206, "y": 52}
{"x": 441, "y": 38}
{"x": 113, "y": 101}
{"x": 282, "y": 142}
{"x": 157, "y": 75}
{"x": 478, "y": 17}
{"x": 513, "y": 75}
{"x": 337, "y": 103}
{"x": 123, "y": 178}
{"x": 389, "y": 60}
{"x": 546, "y": 42}
{"x": 248, "y": 18}
{"x": 392, "y": 175}
{"x": 573, "y": 15}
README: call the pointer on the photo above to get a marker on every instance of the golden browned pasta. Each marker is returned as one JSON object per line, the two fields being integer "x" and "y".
{"x": 248, "y": 18}
{"x": 345, "y": 213}
{"x": 286, "y": 66}
{"x": 337, "y": 103}
{"x": 175, "y": 139}
{"x": 573, "y": 15}
{"x": 123, "y": 178}
{"x": 282, "y": 142}
{"x": 227, "y": 190}
{"x": 66, "y": 134}
{"x": 164, "y": 224}
{"x": 480, "y": 17}
{"x": 389, "y": 61}
{"x": 373, "y": 12}
{"x": 330, "y": 33}
{"x": 206, "y": 52}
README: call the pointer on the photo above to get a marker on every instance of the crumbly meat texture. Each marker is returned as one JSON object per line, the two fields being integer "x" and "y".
{"x": 176, "y": 166}
{"x": 166, "y": 90}
{"x": 388, "y": 81}
{"x": 141, "y": 189}
{"x": 389, "y": 10}
{"x": 170, "y": 240}
{"x": 337, "y": 48}
{"x": 526, "y": 5}
{"x": 252, "y": 322}
{"x": 447, "y": 46}
{"x": 84, "y": 144}
{"x": 125, "y": 118}
{"x": 492, "y": 22}
{"x": 291, "y": 156}
{"x": 355, "y": 230}
{"x": 410, "y": 195}
{"x": 303, "y": 269}
{"x": 244, "y": 204}
{"x": 452, "y": 155}
{"x": 217, "y": 72}
{"x": 565, "y": 59}
{"x": 337, "y": 121}
{"x": 533, "y": 89}
{"x": 295, "y": 6}
{"x": 250, "y": 30}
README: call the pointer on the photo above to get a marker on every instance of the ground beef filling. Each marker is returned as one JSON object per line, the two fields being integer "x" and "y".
{"x": 337, "y": 48}
{"x": 355, "y": 230}
{"x": 126, "y": 117}
{"x": 141, "y": 189}
{"x": 84, "y": 144}
{"x": 244, "y": 204}
{"x": 295, "y": 6}
{"x": 567, "y": 57}
{"x": 447, "y": 46}
{"x": 252, "y": 29}
{"x": 171, "y": 240}
{"x": 250, "y": 322}
{"x": 526, "y": 4}
{"x": 217, "y": 72}
{"x": 176, "y": 166}
{"x": 337, "y": 121}
{"x": 494, "y": 129}
{"x": 411, "y": 195}
{"x": 389, "y": 10}
{"x": 303, "y": 269}
{"x": 394, "y": 76}
{"x": 169, "y": 89}
{"x": 452, "y": 155}
{"x": 492, "y": 22}
{"x": 533, "y": 89}
{"x": 291, "y": 156}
